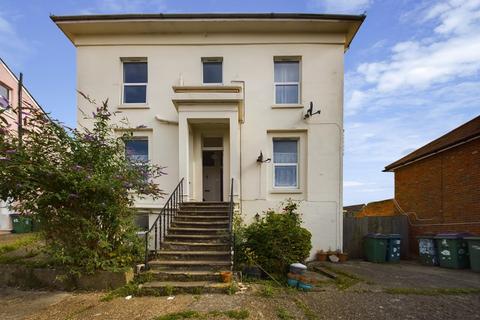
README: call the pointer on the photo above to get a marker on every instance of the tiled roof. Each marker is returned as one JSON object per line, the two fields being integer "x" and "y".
{"x": 465, "y": 132}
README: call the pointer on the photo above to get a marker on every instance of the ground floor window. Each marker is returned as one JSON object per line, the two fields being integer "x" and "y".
{"x": 136, "y": 149}
{"x": 285, "y": 163}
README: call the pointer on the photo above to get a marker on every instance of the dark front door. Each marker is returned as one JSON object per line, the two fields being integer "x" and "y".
{"x": 212, "y": 175}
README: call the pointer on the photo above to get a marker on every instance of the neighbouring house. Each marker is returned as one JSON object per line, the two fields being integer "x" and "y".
{"x": 352, "y": 210}
{"x": 215, "y": 97}
{"x": 382, "y": 208}
{"x": 438, "y": 185}
{"x": 9, "y": 101}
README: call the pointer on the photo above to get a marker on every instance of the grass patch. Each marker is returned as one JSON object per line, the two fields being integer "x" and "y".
{"x": 189, "y": 314}
{"x": 283, "y": 314}
{"x": 433, "y": 291}
{"x": 23, "y": 241}
{"x": 309, "y": 314}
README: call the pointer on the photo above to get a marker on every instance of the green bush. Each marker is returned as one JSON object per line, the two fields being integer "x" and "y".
{"x": 80, "y": 185}
{"x": 274, "y": 241}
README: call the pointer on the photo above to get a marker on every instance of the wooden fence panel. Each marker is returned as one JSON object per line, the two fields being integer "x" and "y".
{"x": 355, "y": 229}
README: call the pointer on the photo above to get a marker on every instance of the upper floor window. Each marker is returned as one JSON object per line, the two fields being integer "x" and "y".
{"x": 4, "y": 96}
{"x": 212, "y": 70}
{"x": 135, "y": 79}
{"x": 287, "y": 81}
{"x": 285, "y": 163}
{"x": 136, "y": 150}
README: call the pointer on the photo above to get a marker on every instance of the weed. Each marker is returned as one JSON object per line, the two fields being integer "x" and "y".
{"x": 232, "y": 289}
{"x": 169, "y": 290}
{"x": 237, "y": 314}
{"x": 267, "y": 291}
{"x": 283, "y": 314}
{"x": 433, "y": 291}
{"x": 309, "y": 314}
{"x": 180, "y": 315}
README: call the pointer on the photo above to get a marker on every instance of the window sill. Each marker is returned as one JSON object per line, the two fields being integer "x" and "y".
{"x": 287, "y": 106}
{"x": 284, "y": 191}
{"x": 133, "y": 106}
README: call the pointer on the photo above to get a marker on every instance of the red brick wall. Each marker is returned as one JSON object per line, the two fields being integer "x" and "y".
{"x": 444, "y": 188}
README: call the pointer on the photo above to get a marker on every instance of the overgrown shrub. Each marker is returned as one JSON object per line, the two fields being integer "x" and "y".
{"x": 80, "y": 185}
{"x": 274, "y": 240}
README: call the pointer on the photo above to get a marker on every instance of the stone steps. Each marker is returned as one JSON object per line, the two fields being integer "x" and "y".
{"x": 209, "y": 238}
{"x": 195, "y": 246}
{"x": 196, "y": 265}
{"x": 201, "y": 224}
{"x": 197, "y": 231}
{"x": 192, "y": 255}
{"x": 175, "y": 287}
{"x": 183, "y": 276}
{"x": 195, "y": 250}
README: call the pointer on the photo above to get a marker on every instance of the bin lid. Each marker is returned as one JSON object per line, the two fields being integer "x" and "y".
{"x": 298, "y": 266}
{"x": 426, "y": 236}
{"x": 377, "y": 236}
{"x": 472, "y": 238}
{"x": 394, "y": 236}
{"x": 458, "y": 235}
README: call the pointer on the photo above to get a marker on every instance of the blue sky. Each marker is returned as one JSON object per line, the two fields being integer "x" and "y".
{"x": 411, "y": 74}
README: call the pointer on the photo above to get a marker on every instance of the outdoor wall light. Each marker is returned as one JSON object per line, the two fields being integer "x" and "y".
{"x": 260, "y": 158}
{"x": 310, "y": 112}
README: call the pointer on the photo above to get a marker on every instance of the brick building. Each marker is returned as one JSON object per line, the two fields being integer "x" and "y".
{"x": 438, "y": 185}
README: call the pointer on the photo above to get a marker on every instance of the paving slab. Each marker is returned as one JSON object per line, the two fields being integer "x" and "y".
{"x": 409, "y": 274}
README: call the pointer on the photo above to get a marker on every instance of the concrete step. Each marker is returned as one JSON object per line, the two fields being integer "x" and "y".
{"x": 169, "y": 255}
{"x": 201, "y": 224}
{"x": 224, "y": 238}
{"x": 198, "y": 231}
{"x": 184, "y": 276}
{"x": 175, "y": 287}
{"x": 195, "y": 246}
{"x": 197, "y": 265}
{"x": 191, "y": 212}
{"x": 201, "y": 218}
{"x": 206, "y": 203}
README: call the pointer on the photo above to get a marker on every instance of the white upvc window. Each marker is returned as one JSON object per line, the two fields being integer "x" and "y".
{"x": 135, "y": 81}
{"x": 287, "y": 80}
{"x": 285, "y": 163}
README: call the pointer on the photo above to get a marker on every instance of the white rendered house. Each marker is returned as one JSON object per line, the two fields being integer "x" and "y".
{"x": 219, "y": 96}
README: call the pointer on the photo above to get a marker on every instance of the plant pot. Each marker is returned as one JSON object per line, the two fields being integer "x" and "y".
{"x": 321, "y": 256}
{"x": 226, "y": 276}
{"x": 343, "y": 257}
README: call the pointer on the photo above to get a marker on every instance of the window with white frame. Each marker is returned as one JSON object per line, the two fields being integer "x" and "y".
{"x": 287, "y": 81}
{"x": 285, "y": 163}
{"x": 4, "y": 96}
{"x": 136, "y": 150}
{"x": 212, "y": 70}
{"x": 135, "y": 79}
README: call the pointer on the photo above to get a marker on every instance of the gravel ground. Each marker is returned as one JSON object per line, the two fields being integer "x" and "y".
{"x": 362, "y": 296}
{"x": 328, "y": 304}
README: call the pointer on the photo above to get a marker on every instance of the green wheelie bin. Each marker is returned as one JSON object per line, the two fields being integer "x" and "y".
{"x": 452, "y": 250}
{"x": 474, "y": 252}
{"x": 393, "y": 247}
{"x": 375, "y": 247}
{"x": 427, "y": 249}
{"x": 20, "y": 223}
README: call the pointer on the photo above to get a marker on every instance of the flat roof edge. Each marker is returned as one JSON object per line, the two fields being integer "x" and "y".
{"x": 207, "y": 16}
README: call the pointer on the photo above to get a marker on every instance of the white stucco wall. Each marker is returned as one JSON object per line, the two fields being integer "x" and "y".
{"x": 247, "y": 61}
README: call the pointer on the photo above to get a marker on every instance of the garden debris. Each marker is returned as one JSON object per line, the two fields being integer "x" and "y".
{"x": 333, "y": 258}
{"x": 128, "y": 297}
{"x": 171, "y": 298}
{"x": 241, "y": 288}
{"x": 325, "y": 271}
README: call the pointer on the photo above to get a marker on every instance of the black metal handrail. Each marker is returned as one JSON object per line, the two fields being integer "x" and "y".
{"x": 230, "y": 224}
{"x": 162, "y": 222}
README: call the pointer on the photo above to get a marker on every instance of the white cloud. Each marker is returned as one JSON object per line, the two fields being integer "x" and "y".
{"x": 352, "y": 184}
{"x": 14, "y": 47}
{"x": 341, "y": 6}
{"x": 126, "y": 6}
